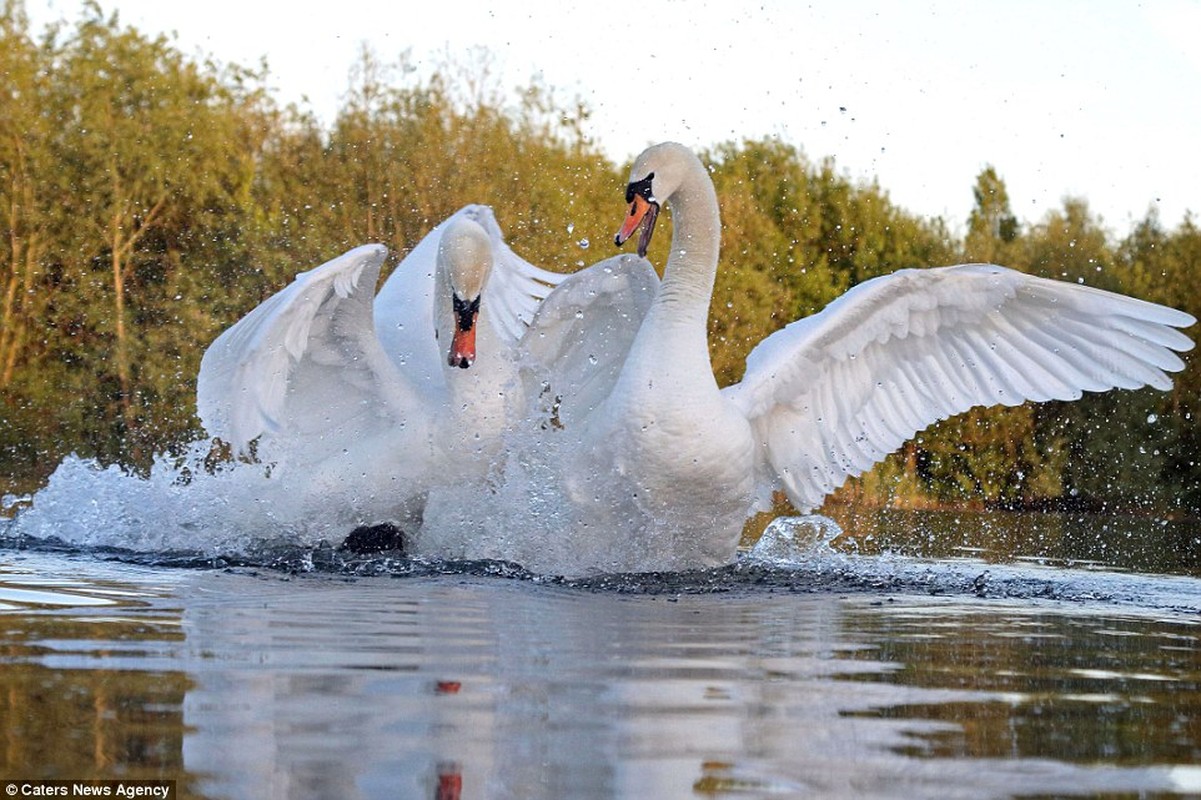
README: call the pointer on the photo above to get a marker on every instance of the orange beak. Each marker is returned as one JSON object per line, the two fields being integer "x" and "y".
{"x": 642, "y": 213}
{"x": 462, "y": 348}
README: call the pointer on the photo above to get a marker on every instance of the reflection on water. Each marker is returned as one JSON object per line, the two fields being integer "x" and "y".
{"x": 90, "y": 686}
{"x": 756, "y": 683}
{"x": 1133, "y": 683}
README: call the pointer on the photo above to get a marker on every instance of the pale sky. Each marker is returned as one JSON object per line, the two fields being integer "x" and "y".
{"x": 1083, "y": 97}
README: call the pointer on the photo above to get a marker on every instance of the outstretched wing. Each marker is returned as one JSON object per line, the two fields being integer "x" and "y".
{"x": 832, "y": 394}
{"x": 404, "y": 315}
{"x": 516, "y": 287}
{"x": 306, "y": 359}
{"x": 581, "y": 335}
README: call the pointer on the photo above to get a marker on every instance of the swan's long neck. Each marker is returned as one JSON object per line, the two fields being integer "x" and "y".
{"x": 695, "y": 243}
{"x": 669, "y": 366}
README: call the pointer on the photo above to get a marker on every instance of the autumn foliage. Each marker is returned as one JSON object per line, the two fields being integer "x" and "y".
{"x": 148, "y": 200}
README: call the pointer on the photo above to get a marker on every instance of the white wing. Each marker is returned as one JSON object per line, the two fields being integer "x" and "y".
{"x": 832, "y": 394}
{"x": 580, "y": 337}
{"x": 404, "y": 317}
{"x": 516, "y": 287}
{"x": 306, "y": 358}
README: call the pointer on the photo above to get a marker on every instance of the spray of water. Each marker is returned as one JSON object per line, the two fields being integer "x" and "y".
{"x": 187, "y": 503}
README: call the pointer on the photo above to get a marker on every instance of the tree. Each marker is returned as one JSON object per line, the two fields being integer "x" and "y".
{"x": 119, "y": 157}
{"x": 26, "y": 194}
{"x": 1072, "y": 245}
{"x": 1165, "y": 267}
{"x": 142, "y": 142}
{"x": 768, "y": 221}
{"x": 147, "y": 201}
{"x": 991, "y": 225}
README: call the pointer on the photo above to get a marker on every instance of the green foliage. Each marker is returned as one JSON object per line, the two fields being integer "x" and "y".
{"x": 993, "y": 455}
{"x": 991, "y": 225}
{"x": 147, "y": 201}
{"x": 121, "y": 156}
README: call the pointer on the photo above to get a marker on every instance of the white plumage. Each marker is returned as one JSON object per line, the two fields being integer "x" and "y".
{"x": 647, "y": 464}
{"x": 350, "y": 396}
{"x": 831, "y": 395}
{"x": 663, "y": 469}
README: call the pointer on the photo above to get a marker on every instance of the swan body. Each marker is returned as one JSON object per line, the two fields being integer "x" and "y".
{"x": 664, "y": 469}
{"x": 355, "y": 400}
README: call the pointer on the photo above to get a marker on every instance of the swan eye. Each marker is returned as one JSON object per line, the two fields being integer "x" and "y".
{"x": 643, "y": 188}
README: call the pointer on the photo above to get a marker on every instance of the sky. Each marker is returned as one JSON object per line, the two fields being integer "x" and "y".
{"x": 1090, "y": 98}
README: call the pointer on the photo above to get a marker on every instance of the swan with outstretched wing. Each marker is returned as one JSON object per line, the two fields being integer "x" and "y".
{"x": 664, "y": 469}
{"x": 369, "y": 398}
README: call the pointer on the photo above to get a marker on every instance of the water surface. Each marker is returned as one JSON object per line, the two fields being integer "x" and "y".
{"x": 845, "y": 676}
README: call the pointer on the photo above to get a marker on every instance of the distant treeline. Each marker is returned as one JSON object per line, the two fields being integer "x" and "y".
{"x": 148, "y": 200}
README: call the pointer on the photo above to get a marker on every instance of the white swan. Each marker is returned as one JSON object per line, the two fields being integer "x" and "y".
{"x": 361, "y": 403}
{"x": 663, "y": 472}
{"x": 362, "y": 407}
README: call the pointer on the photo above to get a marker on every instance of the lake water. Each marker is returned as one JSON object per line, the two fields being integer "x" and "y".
{"x": 919, "y": 659}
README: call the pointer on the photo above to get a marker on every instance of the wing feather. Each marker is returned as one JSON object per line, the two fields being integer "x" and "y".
{"x": 328, "y": 359}
{"x": 832, "y": 394}
{"x": 1044, "y": 365}
{"x": 516, "y": 288}
{"x": 322, "y": 321}
{"x": 580, "y": 337}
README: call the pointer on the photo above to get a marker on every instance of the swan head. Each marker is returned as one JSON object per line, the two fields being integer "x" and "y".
{"x": 464, "y": 264}
{"x": 657, "y": 173}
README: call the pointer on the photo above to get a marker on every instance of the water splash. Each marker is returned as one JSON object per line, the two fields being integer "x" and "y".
{"x": 189, "y": 513}
{"x": 187, "y": 504}
{"x": 791, "y": 540}
{"x": 530, "y": 511}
